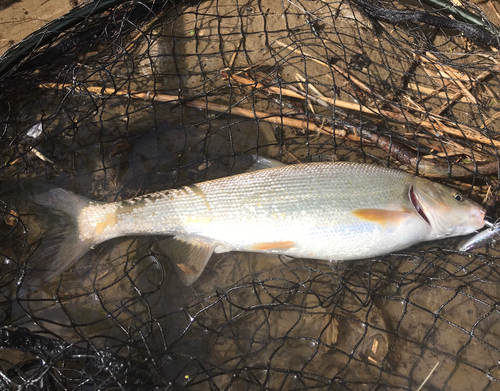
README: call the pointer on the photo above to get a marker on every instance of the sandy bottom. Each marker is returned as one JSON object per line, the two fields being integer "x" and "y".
{"x": 19, "y": 18}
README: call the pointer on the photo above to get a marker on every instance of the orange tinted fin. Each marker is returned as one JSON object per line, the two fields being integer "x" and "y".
{"x": 285, "y": 245}
{"x": 189, "y": 255}
{"x": 382, "y": 216}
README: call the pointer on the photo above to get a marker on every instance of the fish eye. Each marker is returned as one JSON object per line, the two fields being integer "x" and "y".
{"x": 459, "y": 197}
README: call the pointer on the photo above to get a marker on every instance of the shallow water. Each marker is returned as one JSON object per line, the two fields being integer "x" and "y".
{"x": 250, "y": 321}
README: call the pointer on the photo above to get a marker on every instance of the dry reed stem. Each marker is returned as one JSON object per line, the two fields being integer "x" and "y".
{"x": 457, "y": 79}
{"x": 433, "y": 126}
{"x": 453, "y": 99}
{"x": 411, "y": 102}
{"x": 205, "y": 105}
{"x": 429, "y": 92}
{"x": 233, "y": 57}
{"x": 487, "y": 195}
{"x": 464, "y": 131}
{"x": 452, "y": 73}
{"x": 311, "y": 86}
{"x": 447, "y": 72}
{"x": 287, "y": 92}
{"x": 451, "y": 148}
{"x": 445, "y": 86}
{"x": 303, "y": 88}
{"x": 405, "y": 116}
{"x": 428, "y": 376}
{"x": 490, "y": 120}
{"x": 314, "y": 98}
{"x": 494, "y": 10}
{"x": 245, "y": 82}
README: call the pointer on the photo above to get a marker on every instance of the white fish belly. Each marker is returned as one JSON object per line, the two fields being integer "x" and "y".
{"x": 341, "y": 242}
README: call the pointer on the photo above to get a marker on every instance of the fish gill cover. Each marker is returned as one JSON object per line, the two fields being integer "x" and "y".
{"x": 122, "y": 98}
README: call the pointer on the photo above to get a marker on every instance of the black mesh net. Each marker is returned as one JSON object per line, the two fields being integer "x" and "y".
{"x": 121, "y": 98}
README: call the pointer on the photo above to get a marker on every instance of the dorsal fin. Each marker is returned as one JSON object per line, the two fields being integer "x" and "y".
{"x": 262, "y": 163}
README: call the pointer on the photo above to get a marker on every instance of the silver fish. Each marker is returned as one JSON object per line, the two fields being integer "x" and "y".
{"x": 333, "y": 211}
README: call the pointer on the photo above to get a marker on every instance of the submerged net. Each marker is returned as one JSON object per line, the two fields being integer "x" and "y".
{"x": 121, "y": 98}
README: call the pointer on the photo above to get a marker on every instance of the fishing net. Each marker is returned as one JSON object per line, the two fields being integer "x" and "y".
{"x": 122, "y": 98}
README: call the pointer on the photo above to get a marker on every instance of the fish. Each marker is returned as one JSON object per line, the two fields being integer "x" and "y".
{"x": 334, "y": 211}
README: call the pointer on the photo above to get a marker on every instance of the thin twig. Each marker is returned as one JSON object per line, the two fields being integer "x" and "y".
{"x": 429, "y": 92}
{"x": 494, "y": 10}
{"x": 490, "y": 120}
{"x": 344, "y": 73}
{"x": 233, "y": 57}
{"x": 303, "y": 88}
{"x": 428, "y": 376}
{"x": 430, "y": 168}
{"x": 309, "y": 85}
{"x": 288, "y": 92}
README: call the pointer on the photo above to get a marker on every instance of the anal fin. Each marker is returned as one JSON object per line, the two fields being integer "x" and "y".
{"x": 189, "y": 256}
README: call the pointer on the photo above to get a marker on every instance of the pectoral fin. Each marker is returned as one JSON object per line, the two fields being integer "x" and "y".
{"x": 188, "y": 255}
{"x": 382, "y": 216}
{"x": 282, "y": 245}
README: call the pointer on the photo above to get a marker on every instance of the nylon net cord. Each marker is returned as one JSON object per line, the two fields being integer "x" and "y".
{"x": 123, "y": 98}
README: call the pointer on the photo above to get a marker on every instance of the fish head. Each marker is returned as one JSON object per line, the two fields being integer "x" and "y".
{"x": 446, "y": 210}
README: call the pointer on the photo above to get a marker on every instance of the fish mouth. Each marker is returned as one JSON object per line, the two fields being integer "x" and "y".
{"x": 480, "y": 214}
{"x": 417, "y": 205}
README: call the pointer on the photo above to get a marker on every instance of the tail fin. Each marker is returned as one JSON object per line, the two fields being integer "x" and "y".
{"x": 61, "y": 246}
